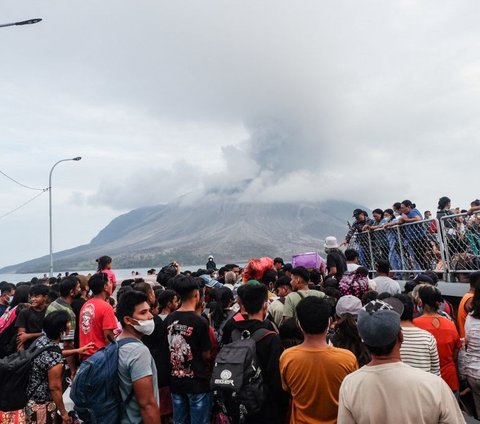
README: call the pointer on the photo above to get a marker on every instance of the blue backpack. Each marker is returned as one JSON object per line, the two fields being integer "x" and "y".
{"x": 95, "y": 390}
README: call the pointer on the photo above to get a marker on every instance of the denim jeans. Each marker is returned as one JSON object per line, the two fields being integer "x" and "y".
{"x": 192, "y": 408}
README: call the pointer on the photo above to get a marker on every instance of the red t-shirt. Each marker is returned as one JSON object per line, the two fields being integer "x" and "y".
{"x": 96, "y": 315}
{"x": 448, "y": 340}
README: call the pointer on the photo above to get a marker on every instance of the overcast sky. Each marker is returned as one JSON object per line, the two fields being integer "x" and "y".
{"x": 372, "y": 102}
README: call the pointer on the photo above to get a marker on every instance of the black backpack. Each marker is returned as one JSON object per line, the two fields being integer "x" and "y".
{"x": 237, "y": 377}
{"x": 14, "y": 376}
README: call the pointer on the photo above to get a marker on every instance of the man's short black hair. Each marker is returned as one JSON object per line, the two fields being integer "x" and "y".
{"x": 278, "y": 261}
{"x": 301, "y": 272}
{"x": 6, "y": 288}
{"x": 39, "y": 289}
{"x": 408, "y": 307}
{"x": 165, "y": 297}
{"x": 185, "y": 286}
{"x": 142, "y": 287}
{"x": 270, "y": 276}
{"x": 382, "y": 350}
{"x": 97, "y": 282}
{"x": 127, "y": 303}
{"x": 253, "y": 296}
{"x": 383, "y": 266}
{"x": 283, "y": 281}
{"x": 474, "y": 279}
{"x": 55, "y": 324}
{"x": 67, "y": 285}
{"x": 351, "y": 254}
{"x": 313, "y": 314}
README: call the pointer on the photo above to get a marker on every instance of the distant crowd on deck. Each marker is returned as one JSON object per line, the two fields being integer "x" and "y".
{"x": 266, "y": 343}
{"x": 410, "y": 240}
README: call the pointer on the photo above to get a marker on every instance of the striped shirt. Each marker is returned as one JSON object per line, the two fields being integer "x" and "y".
{"x": 419, "y": 350}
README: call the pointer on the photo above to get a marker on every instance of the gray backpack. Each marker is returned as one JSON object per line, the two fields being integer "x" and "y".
{"x": 237, "y": 378}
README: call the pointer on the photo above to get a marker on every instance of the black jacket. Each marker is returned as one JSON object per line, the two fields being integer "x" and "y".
{"x": 268, "y": 350}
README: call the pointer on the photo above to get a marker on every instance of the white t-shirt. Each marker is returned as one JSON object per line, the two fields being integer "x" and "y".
{"x": 472, "y": 356}
{"x": 352, "y": 267}
{"x": 386, "y": 284}
{"x": 396, "y": 393}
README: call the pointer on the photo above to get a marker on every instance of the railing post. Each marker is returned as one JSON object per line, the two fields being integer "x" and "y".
{"x": 371, "y": 252}
{"x": 400, "y": 245}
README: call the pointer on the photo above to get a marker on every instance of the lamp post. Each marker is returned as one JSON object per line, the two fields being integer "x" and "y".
{"x": 28, "y": 22}
{"x": 50, "y": 208}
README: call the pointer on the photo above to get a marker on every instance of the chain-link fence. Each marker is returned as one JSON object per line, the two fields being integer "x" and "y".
{"x": 461, "y": 238}
{"x": 450, "y": 245}
{"x": 410, "y": 248}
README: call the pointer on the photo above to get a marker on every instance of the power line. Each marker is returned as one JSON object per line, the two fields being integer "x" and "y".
{"x": 23, "y": 204}
{"x": 20, "y": 184}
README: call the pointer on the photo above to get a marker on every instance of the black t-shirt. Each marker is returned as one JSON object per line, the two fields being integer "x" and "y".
{"x": 337, "y": 260}
{"x": 32, "y": 321}
{"x": 186, "y": 338}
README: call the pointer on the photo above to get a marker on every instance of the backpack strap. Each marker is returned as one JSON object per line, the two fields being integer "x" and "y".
{"x": 261, "y": 333}
{"x": 302, "y": 295}
{"x": 123, "y": 342}
{"x": 127, "y": 340}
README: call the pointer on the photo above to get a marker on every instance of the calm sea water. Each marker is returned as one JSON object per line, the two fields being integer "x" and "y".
{"x": 121, "y": 274}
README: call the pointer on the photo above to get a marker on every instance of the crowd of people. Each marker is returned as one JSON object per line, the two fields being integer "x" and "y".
{"x": 294, "y": 345}
{"x": 417, "y": 246}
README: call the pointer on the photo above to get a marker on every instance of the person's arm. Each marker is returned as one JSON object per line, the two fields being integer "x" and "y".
{"x": 69, "y": 352}
{"x": 205, "y": 344}
{"x": 55, "y": 387}
{"x": 23, "y": 337}
{"x": 109, "y": 336}
{"x": 434, "y": 359}
{"x": 144, "y": 394}
{"x": 416, "y": 218}
{"x": 344, "y": 414}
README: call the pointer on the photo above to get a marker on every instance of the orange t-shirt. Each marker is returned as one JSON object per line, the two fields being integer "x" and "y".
{"x": 462, "y": 314}
{"x": 313, "y": 378}
{"x": 448, "y": 340}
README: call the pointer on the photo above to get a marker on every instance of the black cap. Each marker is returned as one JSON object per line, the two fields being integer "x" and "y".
{"x": 357, "y": 212}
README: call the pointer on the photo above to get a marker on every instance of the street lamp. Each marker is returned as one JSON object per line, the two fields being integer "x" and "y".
{"x": 50, "y": 208}
{"x": 28, "y": 22}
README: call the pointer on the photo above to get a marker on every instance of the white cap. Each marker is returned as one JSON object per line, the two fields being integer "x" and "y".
{"x": 331, "y": 243}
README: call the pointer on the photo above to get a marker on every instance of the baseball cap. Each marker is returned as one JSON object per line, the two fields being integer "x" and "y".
{"x": 348, "y": 305}
{"x": 357, "y": 212}
{"x": 378, "y": 324}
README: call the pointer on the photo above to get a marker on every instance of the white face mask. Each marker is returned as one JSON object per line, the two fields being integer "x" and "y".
{"x": 10, "y": 299}
{"x": 145, "y": 327}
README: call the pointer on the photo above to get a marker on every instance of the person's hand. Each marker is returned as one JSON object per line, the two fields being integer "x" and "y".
{"x": 344, "y": 243}
{"x": 88, "y": 346}
{"x": 66, "y": 419}
{"x": 22, "y": 337}
{"x": 366, "y": 227}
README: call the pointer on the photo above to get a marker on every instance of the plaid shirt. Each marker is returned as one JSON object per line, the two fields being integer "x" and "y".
{"x": 357, "y": 227}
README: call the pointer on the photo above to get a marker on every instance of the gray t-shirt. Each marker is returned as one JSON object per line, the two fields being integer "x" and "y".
{"x": 134, "y": 363}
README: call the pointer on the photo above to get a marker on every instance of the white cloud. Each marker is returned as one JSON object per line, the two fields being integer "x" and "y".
{"x": 371, "y": 101}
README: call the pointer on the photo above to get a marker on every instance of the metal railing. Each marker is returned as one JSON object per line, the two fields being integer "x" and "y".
{"x": 449, "y": 245}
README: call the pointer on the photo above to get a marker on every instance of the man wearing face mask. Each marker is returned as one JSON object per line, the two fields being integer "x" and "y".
{"x": 6, "y": 295}
{"x": 136, "y": 367}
